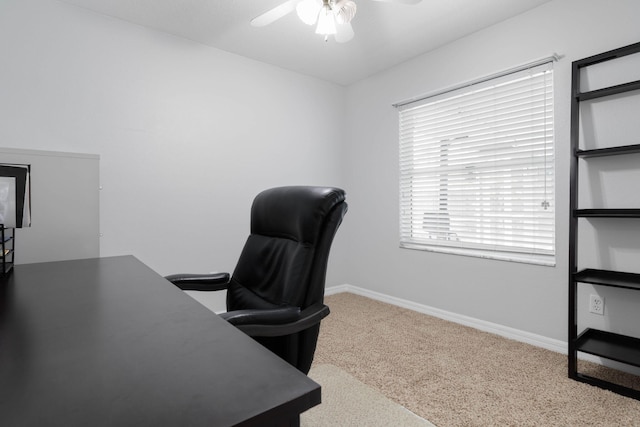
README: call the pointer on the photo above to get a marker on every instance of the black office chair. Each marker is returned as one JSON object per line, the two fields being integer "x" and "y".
{"x": 276, "y": 292}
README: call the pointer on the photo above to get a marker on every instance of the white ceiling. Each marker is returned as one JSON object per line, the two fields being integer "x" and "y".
{"x": 386, "y": 33}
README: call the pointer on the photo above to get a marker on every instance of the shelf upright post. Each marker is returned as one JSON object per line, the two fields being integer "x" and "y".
{"x": 573, "y": 220}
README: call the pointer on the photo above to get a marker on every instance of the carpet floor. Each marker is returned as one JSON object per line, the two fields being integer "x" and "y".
{"x": 347, "y": 402}
{"x": 453, "y": 375}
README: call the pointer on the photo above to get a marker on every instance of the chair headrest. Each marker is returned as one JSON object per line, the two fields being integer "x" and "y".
{"x": 295, "y": 212}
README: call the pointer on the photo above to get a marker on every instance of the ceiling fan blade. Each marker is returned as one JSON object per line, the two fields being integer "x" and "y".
{"x": 401, "y": 1}
{"x": 344, "y": 32}
{"x": 274, "y": 14}
{"x": 344, "y": 11}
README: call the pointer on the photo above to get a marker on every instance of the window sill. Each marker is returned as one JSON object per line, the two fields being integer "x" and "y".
{"x": 543, "y": 260}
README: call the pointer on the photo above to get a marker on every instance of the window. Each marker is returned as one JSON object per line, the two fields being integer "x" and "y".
{"x": 477, "y": 169}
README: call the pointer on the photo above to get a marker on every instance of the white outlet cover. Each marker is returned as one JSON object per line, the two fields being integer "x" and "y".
{"x": 596, "y": 304}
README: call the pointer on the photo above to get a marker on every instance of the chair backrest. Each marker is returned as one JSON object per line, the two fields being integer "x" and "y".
{"x": 284, "y": 260}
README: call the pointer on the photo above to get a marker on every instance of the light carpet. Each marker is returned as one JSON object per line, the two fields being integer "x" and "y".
{"x": 348, "y": 402}
{"x": 455, "y": 375}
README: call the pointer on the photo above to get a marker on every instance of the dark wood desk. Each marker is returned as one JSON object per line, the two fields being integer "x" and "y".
{"x": 109, "y": 342}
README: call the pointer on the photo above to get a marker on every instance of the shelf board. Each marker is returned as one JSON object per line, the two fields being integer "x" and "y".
{"x": 611, "y": 151}
{"x": 615, "y": 279}
{"x": 608, "y": 91}
{"x": 609, "y": 55}
{"x": 607, "y": 213}
{"x": 616, "y": 388}
{"x": 609, "y": 345}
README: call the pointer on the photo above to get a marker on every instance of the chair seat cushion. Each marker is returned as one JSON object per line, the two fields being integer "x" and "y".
{"x": 241, "y": 298}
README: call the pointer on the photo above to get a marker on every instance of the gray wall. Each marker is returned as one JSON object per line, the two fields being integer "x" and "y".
{"x": 526, "y": 297}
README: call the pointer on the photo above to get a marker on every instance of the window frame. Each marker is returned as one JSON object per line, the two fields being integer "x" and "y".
{"x": 442, "y": 235}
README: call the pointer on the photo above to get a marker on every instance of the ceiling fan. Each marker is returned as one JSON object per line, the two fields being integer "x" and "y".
{"x": 333, "y": 17}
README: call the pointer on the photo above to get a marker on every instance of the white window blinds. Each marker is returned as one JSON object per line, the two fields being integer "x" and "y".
{"x": 477, "y": 169}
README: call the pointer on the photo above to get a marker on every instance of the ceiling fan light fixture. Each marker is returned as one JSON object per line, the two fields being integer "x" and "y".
{"x": 344, "y": 32}
{"x": 330, "y": 15}
{"x": 333, "y": 16}
{"x": 326, "y": 21}
{"x": 308, "y": 11}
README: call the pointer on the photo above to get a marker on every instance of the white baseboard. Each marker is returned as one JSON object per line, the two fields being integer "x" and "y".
{"x": 494, "y": 328}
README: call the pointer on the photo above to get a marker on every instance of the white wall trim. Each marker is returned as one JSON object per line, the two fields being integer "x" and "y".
{"x": 494, "y": 328}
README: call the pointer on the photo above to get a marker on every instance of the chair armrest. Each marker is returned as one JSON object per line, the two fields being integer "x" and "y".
{"x": 307, "y": 318}
{"x": 276, "y": 316}
{"x": 200, "y": 282}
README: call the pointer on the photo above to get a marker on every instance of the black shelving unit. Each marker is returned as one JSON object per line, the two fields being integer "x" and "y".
{"x": 608, "y": 345}
{"x": 7, "y": 235}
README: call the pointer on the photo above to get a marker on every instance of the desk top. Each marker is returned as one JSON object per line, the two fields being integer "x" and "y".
{"x": 109, "y": 342}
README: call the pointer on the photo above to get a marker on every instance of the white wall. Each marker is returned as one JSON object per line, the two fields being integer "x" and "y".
{"x": 187, "y": 134}
{"x": 521, "y": 296}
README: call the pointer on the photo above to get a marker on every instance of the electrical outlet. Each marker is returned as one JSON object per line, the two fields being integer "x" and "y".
{"x": 596, "y": 304}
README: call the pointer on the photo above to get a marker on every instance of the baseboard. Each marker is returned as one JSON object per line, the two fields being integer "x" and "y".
{"x": 494, "y": 328}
